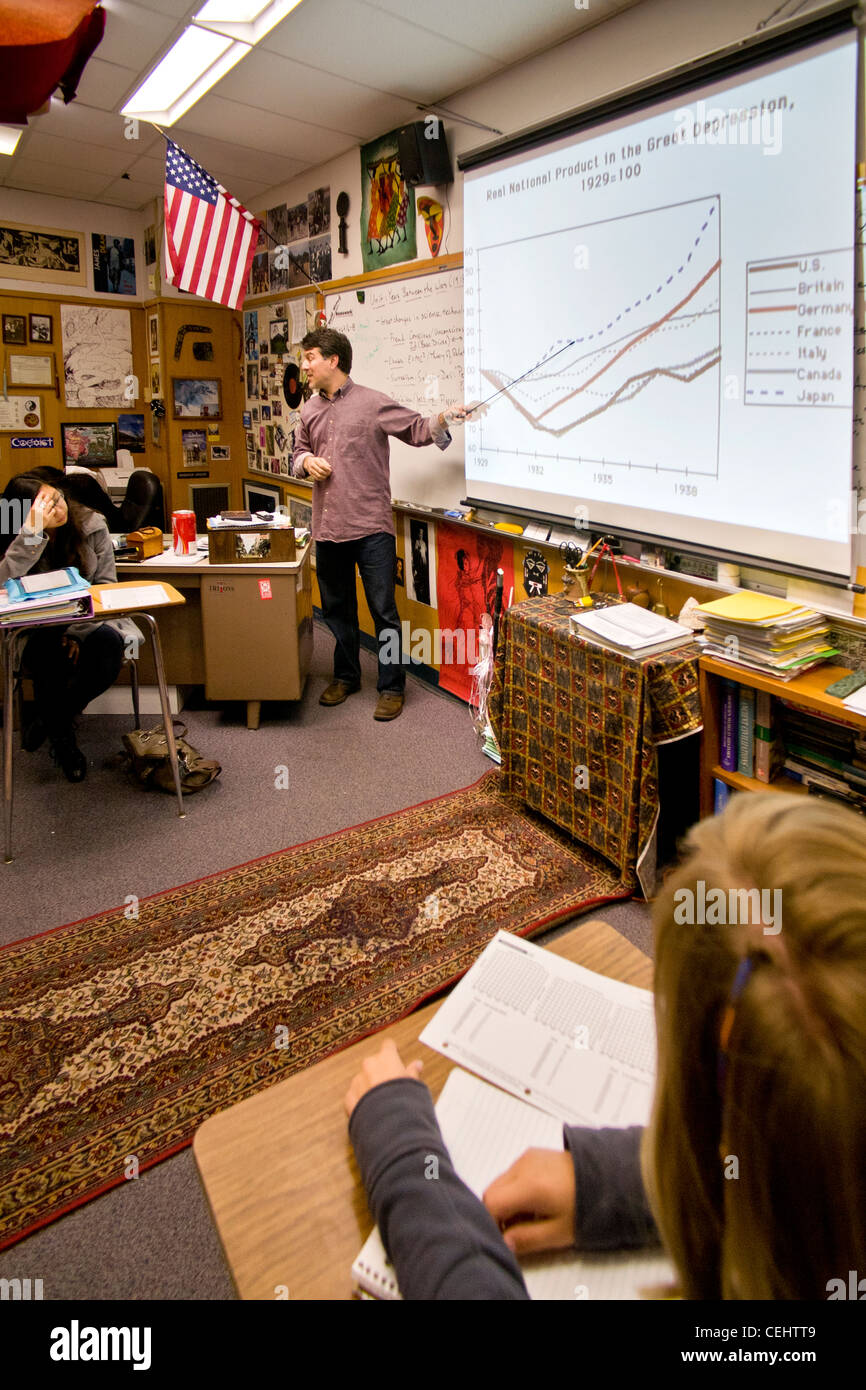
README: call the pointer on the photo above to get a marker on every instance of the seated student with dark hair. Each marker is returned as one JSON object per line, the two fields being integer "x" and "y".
{"x": 761, "y": 1029}
{"x": 69, "y": 665}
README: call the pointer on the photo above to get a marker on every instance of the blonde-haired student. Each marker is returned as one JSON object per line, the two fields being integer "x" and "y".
{"x": 752, "y": 1171}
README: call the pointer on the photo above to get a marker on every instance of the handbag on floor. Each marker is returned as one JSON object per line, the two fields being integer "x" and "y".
{"x": 147, "y": 750}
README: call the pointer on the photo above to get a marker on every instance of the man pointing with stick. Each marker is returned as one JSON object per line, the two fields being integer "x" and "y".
{"x": 342, "y": 444}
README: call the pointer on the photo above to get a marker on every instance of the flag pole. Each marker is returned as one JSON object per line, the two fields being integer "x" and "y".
{"x": 268, "y": 234}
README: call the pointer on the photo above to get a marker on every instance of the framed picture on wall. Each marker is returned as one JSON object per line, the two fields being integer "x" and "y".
{"x": 153, "y": 334}
{"x": 91, "y": 445}
{"x": 15, "y": 329}
{"x": 41, "y": 328}
{"x": 41, "y": 253}
{"x": 259, "y": 497}
{"x": 196, "y": 398}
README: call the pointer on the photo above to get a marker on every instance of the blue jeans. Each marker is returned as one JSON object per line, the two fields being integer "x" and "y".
{"x": 376, "y": 559}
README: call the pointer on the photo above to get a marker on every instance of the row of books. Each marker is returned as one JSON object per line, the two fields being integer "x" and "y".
{"x": 764, "y": 736}
{"x": 747, "y": 741}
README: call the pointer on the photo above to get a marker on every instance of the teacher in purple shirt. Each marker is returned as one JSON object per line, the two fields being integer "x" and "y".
{"x": 342, "y": 444}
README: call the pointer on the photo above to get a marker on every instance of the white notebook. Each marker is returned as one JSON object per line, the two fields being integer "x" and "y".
{"x": 631, "y": 629}
{"x": 485, "y": 1131}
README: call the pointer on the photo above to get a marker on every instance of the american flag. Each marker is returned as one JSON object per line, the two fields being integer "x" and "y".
{"x": 210, "y": 237}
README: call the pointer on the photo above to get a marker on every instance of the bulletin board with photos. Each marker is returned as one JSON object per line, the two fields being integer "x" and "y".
{"x": 272, "y": 338}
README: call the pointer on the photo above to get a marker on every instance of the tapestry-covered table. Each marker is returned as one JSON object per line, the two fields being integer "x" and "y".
{"x": 578, "y": 727}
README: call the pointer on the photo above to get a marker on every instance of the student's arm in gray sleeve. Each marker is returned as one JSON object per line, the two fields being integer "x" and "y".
{"x": 611, "y": 1211}
{"x": 23, "y": 553}
{"x": 442, "y": 1241}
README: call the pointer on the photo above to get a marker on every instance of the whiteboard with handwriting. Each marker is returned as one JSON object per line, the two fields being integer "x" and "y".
{"x": 407, "y": 340}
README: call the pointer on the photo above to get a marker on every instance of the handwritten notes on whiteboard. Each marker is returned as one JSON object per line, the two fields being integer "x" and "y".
{"x": 407, "y": 340}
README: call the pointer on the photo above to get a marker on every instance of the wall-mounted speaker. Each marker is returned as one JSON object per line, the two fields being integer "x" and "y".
{"x": 423, "y": 151}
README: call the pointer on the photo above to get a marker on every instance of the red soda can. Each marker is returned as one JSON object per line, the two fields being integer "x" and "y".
{"x": 183, "y": 532}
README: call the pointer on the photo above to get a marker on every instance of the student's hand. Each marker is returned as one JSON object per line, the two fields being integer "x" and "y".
{"x": 317, "y": 469}
{"x": 72, "y": 647}
{"x": 384, "y": 1065}
{"x": 534, "y": 1202}
{"x": 45, "y": 510}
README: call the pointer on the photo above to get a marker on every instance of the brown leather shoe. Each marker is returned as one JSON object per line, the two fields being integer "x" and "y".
{"x": 337, "y": 692}
{"x": 389, "y": 704}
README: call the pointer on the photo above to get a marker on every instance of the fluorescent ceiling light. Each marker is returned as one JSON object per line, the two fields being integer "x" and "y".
{"x": 190, "y": 68}
{"x": 9, "y": 137}
{"x": 247, "y": 20}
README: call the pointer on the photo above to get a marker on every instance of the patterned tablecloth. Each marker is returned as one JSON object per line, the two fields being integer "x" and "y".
{"x": 578, "y": 728}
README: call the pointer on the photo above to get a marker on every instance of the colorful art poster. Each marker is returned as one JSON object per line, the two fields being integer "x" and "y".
{"x": 466, "y": 565}
{"x": 113, "y": 264}
{"x": 387, "y": 206}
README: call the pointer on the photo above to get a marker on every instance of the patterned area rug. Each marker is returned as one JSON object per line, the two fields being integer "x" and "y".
{"x": 119, "y": 1035}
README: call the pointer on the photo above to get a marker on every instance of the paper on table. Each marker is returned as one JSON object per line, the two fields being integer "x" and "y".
{"x": 856, "y": 701}
{"x": 574, "y": 1043}
{"x": 139, "y": 596}
{"x": 485, "y": 1131}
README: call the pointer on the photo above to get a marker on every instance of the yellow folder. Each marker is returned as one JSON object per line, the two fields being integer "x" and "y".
{"x": 746, "y": 606}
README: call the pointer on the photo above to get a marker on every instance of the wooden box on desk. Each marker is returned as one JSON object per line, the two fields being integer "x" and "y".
{"x": 250, "y": 544}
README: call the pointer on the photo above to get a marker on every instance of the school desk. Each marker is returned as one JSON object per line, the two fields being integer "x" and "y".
{"x": 13, "y": 636}
{"x": 278, "y": 1169}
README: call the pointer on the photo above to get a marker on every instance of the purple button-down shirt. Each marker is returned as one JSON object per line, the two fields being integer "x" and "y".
{"x": 350, "y": 430}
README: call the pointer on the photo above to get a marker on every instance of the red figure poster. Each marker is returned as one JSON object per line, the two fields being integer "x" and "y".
{"x": 466, "y": 565}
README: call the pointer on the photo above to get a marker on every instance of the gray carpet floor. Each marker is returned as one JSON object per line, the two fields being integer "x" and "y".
{"x": 83, "y": 849}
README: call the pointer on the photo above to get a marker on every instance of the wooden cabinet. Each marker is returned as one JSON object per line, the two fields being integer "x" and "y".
{"x": 806, "y": 692}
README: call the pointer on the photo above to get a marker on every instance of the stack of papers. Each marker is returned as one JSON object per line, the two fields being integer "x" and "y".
{"x": 45, "y": 597}
{"x": 631, "y": 630}
{"x": 761, "y": 633}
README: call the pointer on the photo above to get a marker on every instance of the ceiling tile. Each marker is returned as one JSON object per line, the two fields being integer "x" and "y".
{"x": 134, "y": 36}
{"x": 55, "y": 178}
{"x": 294, "y": 89}
{"x": 354, "y": 41}
{"x": 227, "y": 161}
{"x": 507, "y": 31}
{"x": 147, "y": 169}
{"x": 279, "y": 134}
{"x": 74, "y": 154}
{"x": 178, "y": 8}
{"x": 83, "y": 123}
{"x": 129, "y": 193}
{"x": 105, "y": 85}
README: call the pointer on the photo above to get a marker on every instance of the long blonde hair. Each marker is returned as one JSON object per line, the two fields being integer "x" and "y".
{"x": 755, "y": 1158}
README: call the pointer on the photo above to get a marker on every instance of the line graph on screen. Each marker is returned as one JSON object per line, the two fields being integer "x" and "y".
{"x": 638, "y": 297}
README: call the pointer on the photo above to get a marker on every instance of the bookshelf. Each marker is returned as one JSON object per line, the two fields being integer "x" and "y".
{"x": 805, "y": 692}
